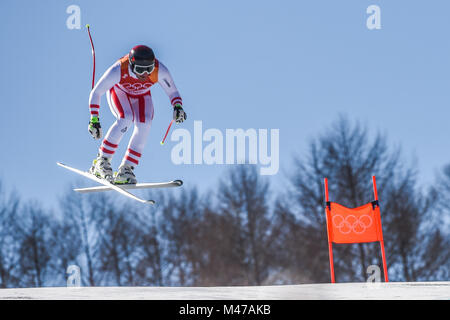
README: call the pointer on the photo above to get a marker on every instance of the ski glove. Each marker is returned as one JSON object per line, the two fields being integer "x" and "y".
{"x": 95, "y": 129}
{"x": 178, "y": 113}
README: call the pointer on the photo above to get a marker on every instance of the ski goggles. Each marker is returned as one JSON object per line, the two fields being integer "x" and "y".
{"x": 140, "y": 70}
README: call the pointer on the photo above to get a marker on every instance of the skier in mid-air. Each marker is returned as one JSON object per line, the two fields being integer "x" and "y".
{"x": 127, "y": 86}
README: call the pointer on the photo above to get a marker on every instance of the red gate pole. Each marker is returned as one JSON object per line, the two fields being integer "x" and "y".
{"x": 330, "y": 244}
{"x": 386, "y": 279}
{"x": 375, "y": 193}
{"x": 383, "y": 254}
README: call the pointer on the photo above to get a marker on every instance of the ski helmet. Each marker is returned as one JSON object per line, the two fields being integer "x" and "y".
{"x": 142, "y": 59}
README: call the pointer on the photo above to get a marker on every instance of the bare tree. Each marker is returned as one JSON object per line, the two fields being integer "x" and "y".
{"x": 432, "y": 261}
{"x": 151, "y": 264}
{"x": 33, "y": 227}
{"x": 440, "y": 193}
{"x": 64, "y": 243}
{"x": 217, "y": 261}
{"x": 119, "y": 243}
{"x": 80, "y": 210}
{"x": 178, "y": 226}
{"x": 9, "y": 207}
{"x": 242, "y": 205}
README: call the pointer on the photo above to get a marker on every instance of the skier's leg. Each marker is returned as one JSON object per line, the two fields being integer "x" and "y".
{"x": 143, "y": 110}
{"x": 142, "y": 123}
{"x": 120, "y": 106}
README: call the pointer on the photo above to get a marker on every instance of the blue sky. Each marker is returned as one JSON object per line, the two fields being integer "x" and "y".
{"x": 288, "y": 65}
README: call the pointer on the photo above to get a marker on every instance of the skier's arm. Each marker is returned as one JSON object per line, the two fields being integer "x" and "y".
{"x": 166, "y": 82}
{"x": 106, "y": 82}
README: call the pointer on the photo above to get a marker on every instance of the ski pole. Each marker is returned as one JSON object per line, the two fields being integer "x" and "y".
{"x": 93, "y": 55}
{"x": 170, "y": 124}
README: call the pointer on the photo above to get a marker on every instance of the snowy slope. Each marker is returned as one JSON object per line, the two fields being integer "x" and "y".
{"x": 384, "y": 291}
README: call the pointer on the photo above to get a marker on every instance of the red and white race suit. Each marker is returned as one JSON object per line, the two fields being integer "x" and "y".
{"x": 130, "y": 101}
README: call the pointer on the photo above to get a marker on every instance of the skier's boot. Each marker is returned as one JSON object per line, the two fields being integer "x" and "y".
{"x": 101, "y": 168}
{"x": 125, "y": 175}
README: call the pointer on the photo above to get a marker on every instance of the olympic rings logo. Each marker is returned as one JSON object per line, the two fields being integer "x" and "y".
{"x": 352, "y": 223}
{"x": 137, "y": 86}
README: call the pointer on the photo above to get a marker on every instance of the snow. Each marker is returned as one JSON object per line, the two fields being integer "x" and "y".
{"x": 338, "y": 291}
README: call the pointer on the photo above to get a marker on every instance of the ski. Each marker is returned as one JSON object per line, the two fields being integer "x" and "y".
{"x": 105, "y": 183}
{"x": 170, "y": 184}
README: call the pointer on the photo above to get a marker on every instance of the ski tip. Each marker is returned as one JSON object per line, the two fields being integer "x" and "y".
{"x": 151, "y": 201}
{"x": 179, "y": 182}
